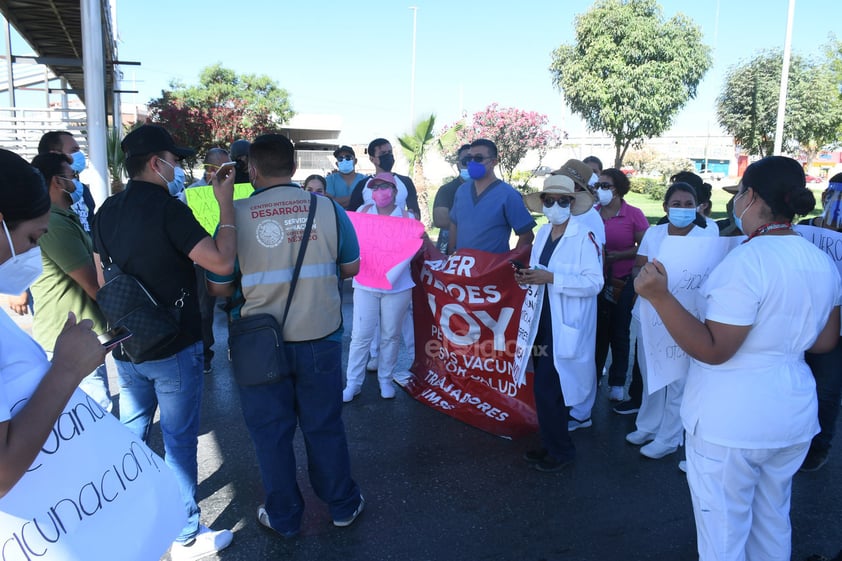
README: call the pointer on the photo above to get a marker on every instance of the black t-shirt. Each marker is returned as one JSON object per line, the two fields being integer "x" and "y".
{"x": 447, "y": 192}
{"x": 411, "y": 194}
{"x": 149, "y": 234}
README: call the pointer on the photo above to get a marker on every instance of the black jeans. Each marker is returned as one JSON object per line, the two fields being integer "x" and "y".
{"x": 612, "y": 329}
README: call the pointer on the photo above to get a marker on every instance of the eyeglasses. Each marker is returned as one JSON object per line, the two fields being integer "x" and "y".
{"x": 345, "y": 158}
{"x": 602, "y": 185}
{"x": 478, "y": 158}
{"x": 377, "y": 186}
{"x": 563, "y": 202}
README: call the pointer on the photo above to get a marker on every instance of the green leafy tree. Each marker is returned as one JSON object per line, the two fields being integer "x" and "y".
{"x": 415, "y": 147}
{"x": 629, "y": 71}
{"x": 747, "y": 107}
{"x": 223, "y": 107}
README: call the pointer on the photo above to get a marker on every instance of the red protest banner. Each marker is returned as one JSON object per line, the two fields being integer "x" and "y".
{"x": 467, "y": 311}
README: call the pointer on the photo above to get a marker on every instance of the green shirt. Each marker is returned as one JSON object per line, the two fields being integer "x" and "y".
{"x": 64, "y": 248}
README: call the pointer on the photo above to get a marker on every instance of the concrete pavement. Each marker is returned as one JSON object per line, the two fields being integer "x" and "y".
{"x": 437, "y": 489}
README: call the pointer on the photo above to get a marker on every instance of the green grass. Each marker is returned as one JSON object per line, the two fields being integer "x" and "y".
{"x": 654, "y": 210}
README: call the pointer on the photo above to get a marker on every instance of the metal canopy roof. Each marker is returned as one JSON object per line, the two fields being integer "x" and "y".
{"x": 53, "y": 28}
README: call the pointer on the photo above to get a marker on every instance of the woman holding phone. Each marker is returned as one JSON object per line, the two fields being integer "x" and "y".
{"x": 565, "y": 260}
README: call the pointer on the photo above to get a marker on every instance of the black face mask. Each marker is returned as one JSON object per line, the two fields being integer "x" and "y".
{"x": 387, "y": 161}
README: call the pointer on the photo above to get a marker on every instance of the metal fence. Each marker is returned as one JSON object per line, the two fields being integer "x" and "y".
{"x": 21, "y": 128}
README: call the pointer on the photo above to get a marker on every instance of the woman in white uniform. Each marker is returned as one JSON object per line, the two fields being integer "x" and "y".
{"x": 566, "y": 260}
{"x": 376, "y": 306}
{"x": 658, "y": 421}
{"x": 749, "y": 405}
{"x": 33, "y": 391}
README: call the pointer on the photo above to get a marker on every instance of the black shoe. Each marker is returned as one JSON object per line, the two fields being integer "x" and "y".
{"x": 535, "y": 456}
{"x": 207, "y": 368}
{"x": 551, "y": 465}
{"x": 816, "y": 458}
{"x": 627, "y": 407}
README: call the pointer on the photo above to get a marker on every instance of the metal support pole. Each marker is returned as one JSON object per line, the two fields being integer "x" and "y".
{"x": 94, "y": 68}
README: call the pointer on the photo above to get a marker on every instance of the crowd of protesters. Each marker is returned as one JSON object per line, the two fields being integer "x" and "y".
{"x": 750, "y": 411}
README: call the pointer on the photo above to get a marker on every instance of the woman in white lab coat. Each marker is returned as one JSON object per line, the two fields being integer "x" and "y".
{"x": 566, "y": 261}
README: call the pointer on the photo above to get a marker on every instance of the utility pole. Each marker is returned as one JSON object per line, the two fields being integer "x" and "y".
{"x": 779, "y": 126}
{"x": 412, "y": 78}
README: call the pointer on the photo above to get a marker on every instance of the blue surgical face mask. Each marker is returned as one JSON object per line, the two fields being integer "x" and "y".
{"x": 345, "y": 166}
{"x": 476, "y": 170}
{"x": 76, "y": 194}
{"x": 463, "y": 173}
{"x": 681, "y": 217}
{"x": 78, "y": 161}
{"x": 738, "y": 220}
{"x": 176, "y": 186}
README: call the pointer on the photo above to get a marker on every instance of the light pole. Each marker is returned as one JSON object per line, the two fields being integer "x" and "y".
{"x": 779, "y": 125}
{"x": 412, "y": 75}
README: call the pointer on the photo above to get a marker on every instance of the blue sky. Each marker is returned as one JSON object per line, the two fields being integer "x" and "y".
{"x": 354, "y": 58}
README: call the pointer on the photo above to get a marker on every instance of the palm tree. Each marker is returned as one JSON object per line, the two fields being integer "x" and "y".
{"x": 116, "y": 159}
{"x": 415, "y": 147}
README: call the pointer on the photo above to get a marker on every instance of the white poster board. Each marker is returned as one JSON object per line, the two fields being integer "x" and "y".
{"x": 688, "y": 261}
{"x": 95, "y": 492}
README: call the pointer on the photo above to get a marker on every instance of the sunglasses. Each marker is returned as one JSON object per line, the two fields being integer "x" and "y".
{"x": 563, "y": 202}
{"x": 602, "y": 185}
{"x": 376, "y": 186}
{"x": 479, "y": 158}
{"x": 346, "y": 158}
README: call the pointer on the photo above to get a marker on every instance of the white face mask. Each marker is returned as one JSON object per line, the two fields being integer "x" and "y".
{"x": 605, "y": 196}
{"x": 19, "y": 271}
{"x": 557, "y": 215}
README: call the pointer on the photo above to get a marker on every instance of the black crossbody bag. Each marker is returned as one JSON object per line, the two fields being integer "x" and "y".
{"x": 256, "y": 343}
{"x": 126, "y": 302}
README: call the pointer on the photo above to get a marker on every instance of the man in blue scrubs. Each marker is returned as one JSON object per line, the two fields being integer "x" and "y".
{"x": 487, "y": 209}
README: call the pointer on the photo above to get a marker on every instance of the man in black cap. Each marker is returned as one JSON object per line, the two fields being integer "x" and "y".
{"x": 340, "y": 185}
{"x": 239, "y": 152}
{"x": 152, "y": 236}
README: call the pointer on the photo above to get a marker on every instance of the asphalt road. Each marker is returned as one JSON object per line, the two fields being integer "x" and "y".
{"x": 437, "y": 489}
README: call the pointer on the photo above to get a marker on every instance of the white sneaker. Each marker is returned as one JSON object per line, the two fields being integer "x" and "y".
{"x": 402, "y": 377}
{"x": 682, "y": 465}
{"x": 206, "y": 542}
{"x": 372, "y": 363}
{"x": 616, "y": 393}
{"x": 344, "y": 522}
{"x": 350, "y": 392}
{"x": 387, "y": 390}
{"x": 657, "y": 450}
{"x": 639, "y": 437}
{"x": 576, "y": 424}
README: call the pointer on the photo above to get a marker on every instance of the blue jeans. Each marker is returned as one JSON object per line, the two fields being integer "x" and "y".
{"x": 827, "y": 370}
{"x": 174, "y": 385}
{"x": 311, "y": 398}
{"x": 95, "y": 385}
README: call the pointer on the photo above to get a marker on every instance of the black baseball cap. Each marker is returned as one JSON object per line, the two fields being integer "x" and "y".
{"x": 341, "y": 149}
{"x": 147, "y": 139}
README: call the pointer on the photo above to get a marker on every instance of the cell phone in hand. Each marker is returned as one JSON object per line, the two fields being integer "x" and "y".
{"x": 114, "y": 337}
{"x": 517, "y": 265}
{"x": 225, "y": 169}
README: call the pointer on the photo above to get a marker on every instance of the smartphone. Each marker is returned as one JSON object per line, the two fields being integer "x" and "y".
{"x": 114, "y": 337}
{"x": 517, "y": 265}
{"x": 225, "y": 168}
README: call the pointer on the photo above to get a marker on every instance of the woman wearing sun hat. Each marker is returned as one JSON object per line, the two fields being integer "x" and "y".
{"x": 565, "y": 261}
